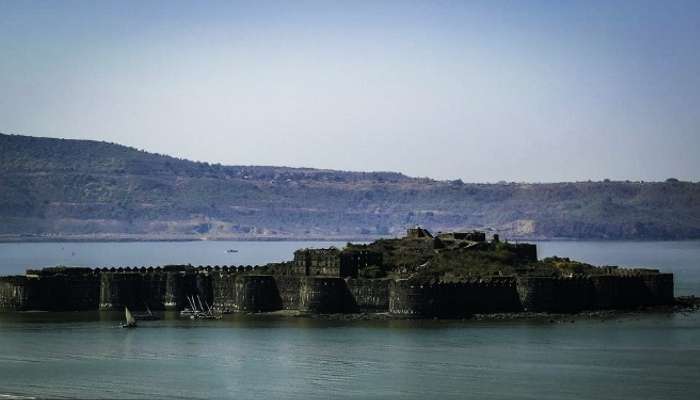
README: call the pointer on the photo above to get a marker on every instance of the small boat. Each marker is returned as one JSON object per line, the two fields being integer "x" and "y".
{"x": 187, "y": 312}
{"x": 199, "y": 311}
{"x": 130, "y": 320}
{"x": 206, "y": 316}
{"x": 232, "y": 251}
{"x": 147, "y": 316}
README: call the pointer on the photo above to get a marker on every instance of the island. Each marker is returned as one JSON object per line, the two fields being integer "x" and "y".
{"x": 452, "y": 274}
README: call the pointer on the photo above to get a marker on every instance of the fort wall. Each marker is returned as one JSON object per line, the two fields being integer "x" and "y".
{"x": 250, "y": 293}
{"x": 540, "y": 294}
{"x": 333, "y": 262}
{"x": 660, "y": 287}
{"x": 369, "y": 294}
{"x": 241, "y": 289}
{"x": 13, "y": 293}
{"x": 324, "y": 295}
{"x": 61, "y": 289}
{"x": 288, "y": 288}
{"x": 313, "y": 262}
{"x": 613, "y": 291}
{"x": 408, "y": 297}
{"x": 489, "y": 295}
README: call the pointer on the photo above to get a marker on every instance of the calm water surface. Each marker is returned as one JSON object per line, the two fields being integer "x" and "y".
{"x": 85, "y": 355}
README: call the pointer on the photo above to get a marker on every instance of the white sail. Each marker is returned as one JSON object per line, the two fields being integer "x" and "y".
{"x": 129, "y": 318}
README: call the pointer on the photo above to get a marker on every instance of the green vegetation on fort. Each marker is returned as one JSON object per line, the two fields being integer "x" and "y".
{"x": 103, "y": 190}
{"x": 440, "y": 258}
{"x": 445, "y": 258}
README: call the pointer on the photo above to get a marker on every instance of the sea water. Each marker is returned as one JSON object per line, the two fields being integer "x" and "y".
{"x": 86, "y": 354}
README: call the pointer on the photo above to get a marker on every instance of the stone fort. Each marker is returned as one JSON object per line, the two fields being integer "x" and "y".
{"x": 331, "y": 281}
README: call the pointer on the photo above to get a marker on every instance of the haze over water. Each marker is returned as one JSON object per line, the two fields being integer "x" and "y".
{"x": 86, "y": 355}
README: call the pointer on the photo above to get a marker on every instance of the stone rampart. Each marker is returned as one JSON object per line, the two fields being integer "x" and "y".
{"x": 412, "y": 298}
{"x": 13, "y": 293}
{"x": 370, "y": 294}
{"x": 122, "y": 289}
{"x": 160, "y": 288}
{"x": 60, "y": 289}
{"x": 250, "y": 293}
{"x": 324, "y": 295}
{"x": 660, "y": 287}
{"x": 626, "y": 291}
{"x": 240, "y": 289}
{"x": 611, "y": 291}
{"x": 223, "y": 286}
{"x": 409, "y": 297}
{"x": 540, "y": 294}
{"x": 288, "y": 288}
{"x": 488, "y": 295}
{"x": 257, "y": 293}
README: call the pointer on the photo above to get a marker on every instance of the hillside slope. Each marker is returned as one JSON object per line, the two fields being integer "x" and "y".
{"x": 58, "y": 188}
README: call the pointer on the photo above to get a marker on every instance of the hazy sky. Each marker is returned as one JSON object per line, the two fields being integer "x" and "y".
{"x": 482, "y": 91}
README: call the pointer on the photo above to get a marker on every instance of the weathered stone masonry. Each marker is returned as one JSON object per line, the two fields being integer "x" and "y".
{"x": 240, "y": 290}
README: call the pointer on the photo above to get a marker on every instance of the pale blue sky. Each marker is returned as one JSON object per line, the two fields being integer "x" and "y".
{"x": 482, "y": 91}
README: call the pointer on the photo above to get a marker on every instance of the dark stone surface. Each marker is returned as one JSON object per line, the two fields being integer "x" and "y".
{"x": 324, "y": 295}
{"x": 370, "y": 294}
{"x": 408, "y": 297}
{"x": 595, "y": 293}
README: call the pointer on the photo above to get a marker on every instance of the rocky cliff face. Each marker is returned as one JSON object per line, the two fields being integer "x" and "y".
{"x": 52, "y": 188}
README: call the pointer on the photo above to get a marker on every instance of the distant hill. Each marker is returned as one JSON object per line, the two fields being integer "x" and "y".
{"x": 59, "y": 188}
